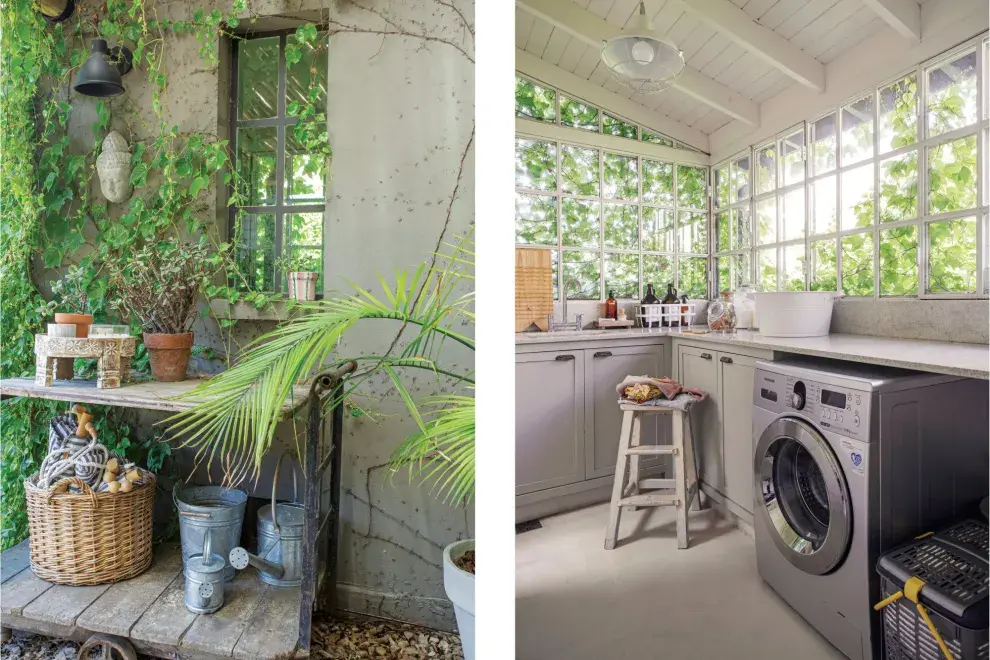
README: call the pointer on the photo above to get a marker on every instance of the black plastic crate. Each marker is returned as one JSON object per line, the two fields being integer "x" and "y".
{"x": 954, "y": 566}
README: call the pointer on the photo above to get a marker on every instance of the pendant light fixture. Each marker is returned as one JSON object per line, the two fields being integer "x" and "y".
{"x": 100, "y": 75}
{"x": 56, "y": 11}
{"x": 640, "y": 60}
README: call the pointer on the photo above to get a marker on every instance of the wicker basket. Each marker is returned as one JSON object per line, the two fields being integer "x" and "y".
{"x": 89, "y": 538}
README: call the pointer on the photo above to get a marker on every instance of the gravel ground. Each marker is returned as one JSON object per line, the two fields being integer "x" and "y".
{"x": 332, "y": 640}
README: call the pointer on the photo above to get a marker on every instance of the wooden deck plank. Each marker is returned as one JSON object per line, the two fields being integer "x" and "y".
{"x": 217, "y": 634}
{"x": 117, "y": 610}
{"x": 162, "y": 625}
{"x": 62, "y": 604}
{"x": 20, "y": 591}
{"x": 15, "y": 560}
{"x": 274, "y": 630}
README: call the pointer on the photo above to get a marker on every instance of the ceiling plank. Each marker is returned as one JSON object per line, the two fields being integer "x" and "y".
{"x": 902, "y": 15}
{"x": 542, "y": 71}
{"x": 759, "y": 40}
{"x": 593, "y": 30}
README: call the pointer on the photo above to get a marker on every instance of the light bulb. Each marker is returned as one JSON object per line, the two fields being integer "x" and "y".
{"x": 642, "y": 52}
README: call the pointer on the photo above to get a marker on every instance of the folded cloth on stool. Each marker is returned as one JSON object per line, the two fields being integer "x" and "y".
{"x": 664, "y": 392}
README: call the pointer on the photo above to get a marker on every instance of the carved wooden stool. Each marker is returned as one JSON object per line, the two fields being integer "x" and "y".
{"x": 113, "y": 354}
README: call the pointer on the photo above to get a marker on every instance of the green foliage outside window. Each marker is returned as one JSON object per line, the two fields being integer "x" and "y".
{"x": 576, "y": 114}
{"x": 535, "y": 102}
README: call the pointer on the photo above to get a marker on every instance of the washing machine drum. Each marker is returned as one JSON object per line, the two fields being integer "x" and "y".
{"x": 805, "y": 499}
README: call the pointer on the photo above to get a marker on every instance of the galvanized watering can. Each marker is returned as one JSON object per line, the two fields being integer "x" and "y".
{"x": 280, "y": 542}
{"x": 204, "y": 580}
{"x": 210, "y": 509}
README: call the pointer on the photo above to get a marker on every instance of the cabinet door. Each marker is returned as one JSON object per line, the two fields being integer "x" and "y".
{"x": 736, "y": 376}
{"x": 698, "y": 368}
{"x": 549, "y": 420}
{"x": 604, "y": 369}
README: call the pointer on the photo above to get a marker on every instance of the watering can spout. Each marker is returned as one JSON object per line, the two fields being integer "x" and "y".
{"x": 240, "y": 558}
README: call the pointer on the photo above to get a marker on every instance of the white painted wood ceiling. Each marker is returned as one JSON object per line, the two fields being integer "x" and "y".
{"x": 821, "y": 28}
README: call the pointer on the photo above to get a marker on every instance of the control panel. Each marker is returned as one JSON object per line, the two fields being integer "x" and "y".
{"x": 831, "y": 407}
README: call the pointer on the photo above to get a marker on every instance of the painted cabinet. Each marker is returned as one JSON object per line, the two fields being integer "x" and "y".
{"x": 698, "y": 367}
{"x": 550, "y": 421}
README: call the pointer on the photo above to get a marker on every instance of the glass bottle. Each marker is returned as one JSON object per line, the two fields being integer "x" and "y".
{"x": 649, "y": 299}
{"x": 611, "y": 307}
{"x": 685, "y": 321}
{"x": 670, "y": 316}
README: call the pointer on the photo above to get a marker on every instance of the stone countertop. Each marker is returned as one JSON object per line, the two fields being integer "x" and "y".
{"x": 970, "y": 360}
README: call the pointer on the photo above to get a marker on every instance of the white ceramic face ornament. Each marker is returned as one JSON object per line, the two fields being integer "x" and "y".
{"x": 113, "y": 165}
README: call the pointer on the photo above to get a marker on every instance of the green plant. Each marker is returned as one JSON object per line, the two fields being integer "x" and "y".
{"x": 70, "y": 293}
{"x": 294, "y": 263}
{"x": 242, "y": 405}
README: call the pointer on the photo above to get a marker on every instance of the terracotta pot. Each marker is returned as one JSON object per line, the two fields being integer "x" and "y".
{"x": 81, "y": 321}
{"x": 169, "y": 355}
{"x": 302, "y": 285}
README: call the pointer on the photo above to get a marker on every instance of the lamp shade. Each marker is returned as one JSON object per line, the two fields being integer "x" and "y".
{"x": 56, "y": 11}
{"x": 640, "y": 59}
{"x": 100, "y": 77}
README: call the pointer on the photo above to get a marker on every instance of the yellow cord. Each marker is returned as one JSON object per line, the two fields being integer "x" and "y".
{"x": 912, "y": 590}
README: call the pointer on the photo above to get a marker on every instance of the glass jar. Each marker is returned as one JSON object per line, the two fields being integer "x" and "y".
{"x": 744, "y": 301}
{"x": 721, "y": 315}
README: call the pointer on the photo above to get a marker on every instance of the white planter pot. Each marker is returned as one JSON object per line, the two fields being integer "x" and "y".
{"x": 302, "y": 285}
{"x": 459, "y": 586}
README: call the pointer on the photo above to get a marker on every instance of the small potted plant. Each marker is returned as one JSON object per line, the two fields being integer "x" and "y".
{"x": 302, "y": 282}
{"x": 159, "y": 288}
{"x": 70, "y": 295}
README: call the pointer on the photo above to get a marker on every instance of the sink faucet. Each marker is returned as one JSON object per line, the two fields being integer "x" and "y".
{"x": 564, "y": 325}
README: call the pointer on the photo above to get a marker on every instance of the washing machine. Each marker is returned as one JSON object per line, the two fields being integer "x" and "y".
{"x": 850, "y": 460}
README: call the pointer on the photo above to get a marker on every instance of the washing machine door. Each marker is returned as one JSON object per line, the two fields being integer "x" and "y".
{"x": 805, "y": 498}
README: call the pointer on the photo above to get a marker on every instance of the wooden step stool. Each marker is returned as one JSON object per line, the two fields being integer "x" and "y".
{"x": 679, "y": 491}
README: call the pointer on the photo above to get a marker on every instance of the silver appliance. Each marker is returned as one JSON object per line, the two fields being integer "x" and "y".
{"x": 850, "y": 460}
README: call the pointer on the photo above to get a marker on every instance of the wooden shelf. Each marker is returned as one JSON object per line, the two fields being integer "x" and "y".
{"x": 277, "y": 311}
{"x": 147, "y": 395}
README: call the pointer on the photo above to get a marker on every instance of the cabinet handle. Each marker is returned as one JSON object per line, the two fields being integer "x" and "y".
{"x": 726, "y": 359}
{"x": 706, "y": 356}
{"x": 603, "y": 354}
{"x": 564, "y": 358}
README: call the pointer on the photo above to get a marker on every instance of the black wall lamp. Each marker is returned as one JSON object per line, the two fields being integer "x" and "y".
{"x": 100, "y": 75}
{"x": 56, "y": 11}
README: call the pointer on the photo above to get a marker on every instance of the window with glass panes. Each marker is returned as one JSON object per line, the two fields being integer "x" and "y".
{"x": 614, "y": 221}
{"x": 731, "y": 218}
{"x": 279, "y": 218}
{"x": 888, "y": 197}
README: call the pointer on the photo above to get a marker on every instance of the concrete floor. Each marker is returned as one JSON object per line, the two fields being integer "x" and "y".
{"x": 647, "y": 599}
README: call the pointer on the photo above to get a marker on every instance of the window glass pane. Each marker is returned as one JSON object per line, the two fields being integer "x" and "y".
{"x": 658, "y": 269}
{"x": 306, "y": 80}
{"x": 792, "y": 270}
{"x": 823, "y": 144}
{"x": 857, "y": 197}
{"x": 305, "y": 173}
{"x": 579, "y": 222}
{"x": 256, "y": 149}
{"x": 742, "y": 229}
{"x": 693, "y": 232}
{"x": 792, "y": 214}
{"x": 733, "y": 270}
{"x": 257, "y": 78}
{"x": 536, "y": 164}
{"x": 582, "y": 275}
{"x": 899, "y": 188}
{"x": 692, "y": 277}
{"x": 535, "y": 102}
{"x": 577, "y": 114}
{"x": 658, "y": 182}
{"x": 792, "y": 158}
{"x": 823, "y": 205}
{"x": 722, "y": 231}
{"x": 857, "y": 264}
{"x": 656, "y": 138}
{"x": 255, "y": 239}
{"x": 622, "y": 275}
{"x": 952, "y": 94}
{"x": 767, "y": 276}
{"x": 721, "y": 185}
{"x": 952, "y": 256}
{"x": 304, "y": 230}
{"x": 898, "y": 115}
{"x": 614, "y": 126}
{"x": 658, "y": 229}
{"x": 766, "y": 169}
{"x": 823, "y": 265}
{"x": 952, "y": 175}
{"x": 899, "y": 261}
{"x": 723, "y": 274}
{"x": 536, "y": 219}
{"x": 621, "y": 176}
{"x": 857, "y": 131}
{"x": 621, "y": 226}
{"x": 579, "y": 170}
{"x": 691, "y": 187}
{"x": 766, "y": 219}
{"x": 739, "y": 186}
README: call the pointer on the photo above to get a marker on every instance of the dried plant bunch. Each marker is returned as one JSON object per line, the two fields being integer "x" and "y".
{"x": 158, "y": 286}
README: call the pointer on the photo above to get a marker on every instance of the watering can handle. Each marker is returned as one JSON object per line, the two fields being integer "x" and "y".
{"x": 295, "y": 493}
{"x": 207, "y": 546}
